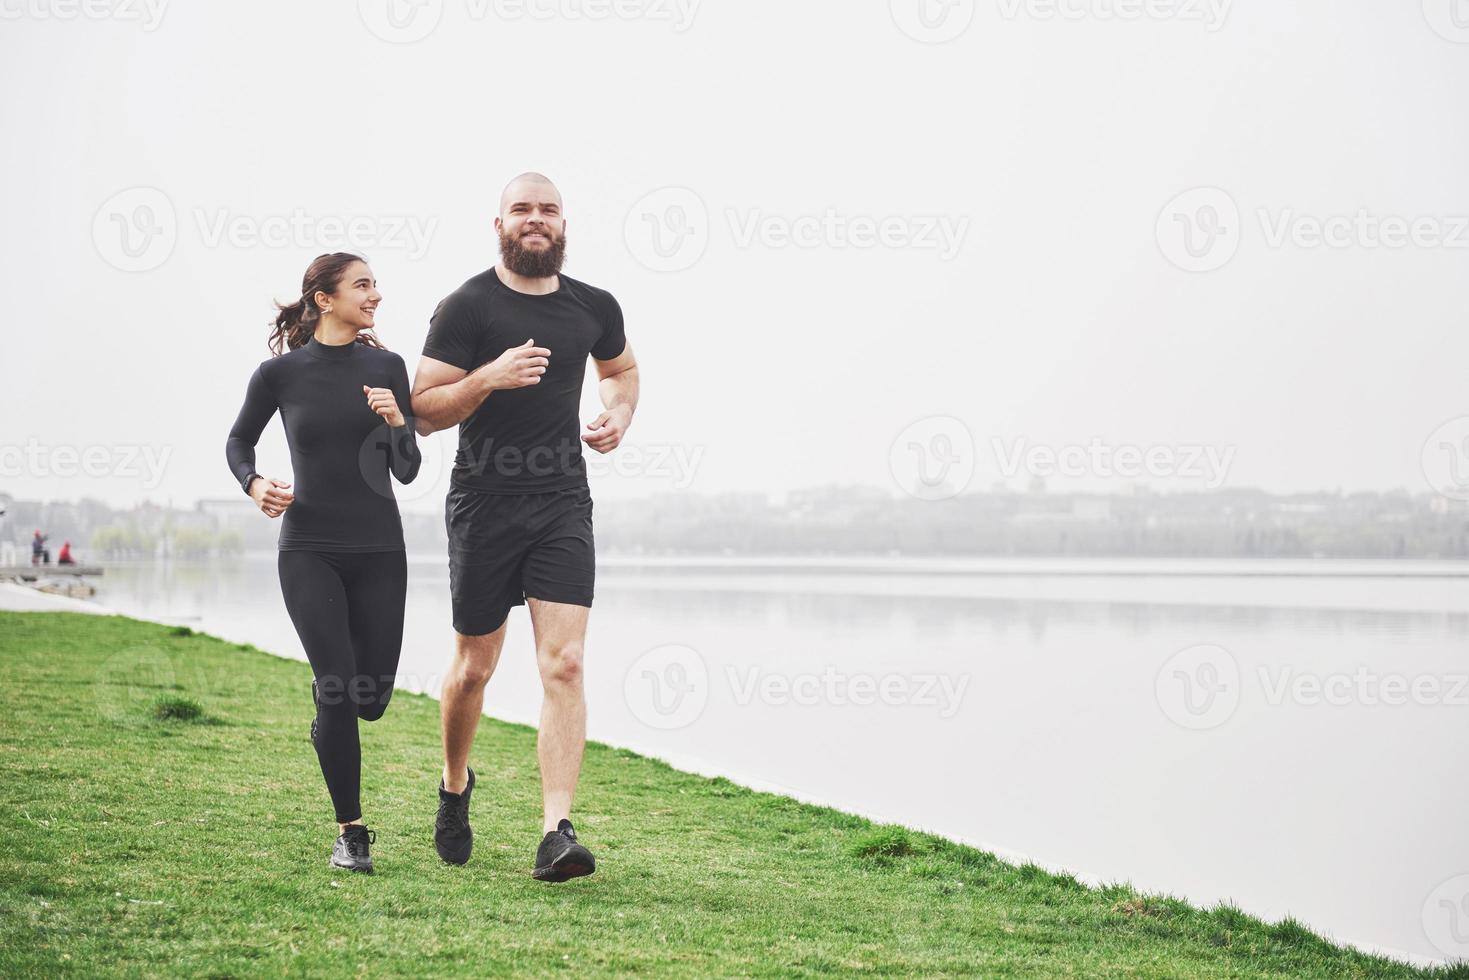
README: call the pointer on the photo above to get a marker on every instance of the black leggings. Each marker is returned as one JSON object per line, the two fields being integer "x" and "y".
{"x": 348, "y": 611}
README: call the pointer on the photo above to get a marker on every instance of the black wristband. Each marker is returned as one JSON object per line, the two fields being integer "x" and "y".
{"x": 248, "y": 480}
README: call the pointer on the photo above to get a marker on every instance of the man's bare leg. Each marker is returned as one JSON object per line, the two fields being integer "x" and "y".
{"x": 463, "y": 700}
{"x": 560, "y": 631}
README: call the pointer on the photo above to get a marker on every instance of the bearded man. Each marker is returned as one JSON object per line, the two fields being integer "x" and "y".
{"x": 505, "y": 360}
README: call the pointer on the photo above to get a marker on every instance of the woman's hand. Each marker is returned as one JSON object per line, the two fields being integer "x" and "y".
{"x": 381, "y": 401}
{"x": 271, "y": 496}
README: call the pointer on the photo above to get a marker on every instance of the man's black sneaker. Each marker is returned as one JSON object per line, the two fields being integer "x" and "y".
{"x": 560, "y": 857}
{"x": 315, "y": 700}
{"x": 452, "y": 837}
{"x": 351, "y": 851}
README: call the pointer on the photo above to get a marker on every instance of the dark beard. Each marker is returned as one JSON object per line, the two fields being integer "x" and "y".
{"x": 539, "y": 264}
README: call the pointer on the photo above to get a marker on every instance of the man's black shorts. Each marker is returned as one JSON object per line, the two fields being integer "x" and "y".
{"x": 506, "y": 547}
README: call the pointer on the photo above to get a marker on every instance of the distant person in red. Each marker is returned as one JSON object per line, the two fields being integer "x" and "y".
{"x": 39, "y": 554}
{"x": 65, "y": 557}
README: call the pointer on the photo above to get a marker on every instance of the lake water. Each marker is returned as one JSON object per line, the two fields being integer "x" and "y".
{"x": 1288, "y": 735}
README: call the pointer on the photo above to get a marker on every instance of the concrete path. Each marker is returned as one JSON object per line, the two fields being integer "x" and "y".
{"x": 19, "y": 598}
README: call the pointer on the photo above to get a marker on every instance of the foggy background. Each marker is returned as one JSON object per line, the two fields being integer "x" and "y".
{"x": 1030, "y": 352}
{"x": 1012, "y": 225}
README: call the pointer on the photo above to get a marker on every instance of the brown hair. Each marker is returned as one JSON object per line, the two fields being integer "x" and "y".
{"x": 296, "y": 322}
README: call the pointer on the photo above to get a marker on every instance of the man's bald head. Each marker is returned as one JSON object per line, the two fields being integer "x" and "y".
{"x": 531, "y": 227}
{"x": 529, "y": 188}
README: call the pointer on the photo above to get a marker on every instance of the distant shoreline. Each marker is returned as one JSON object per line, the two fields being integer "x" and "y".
{"x": 978, "y": 566}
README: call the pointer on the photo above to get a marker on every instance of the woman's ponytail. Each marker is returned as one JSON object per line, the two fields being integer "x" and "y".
{"x": 294, "y": 325}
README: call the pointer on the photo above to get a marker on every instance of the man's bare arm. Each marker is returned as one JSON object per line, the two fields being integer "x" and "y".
{"x": 445, "y": 395}
{"x": 618, "y": 386}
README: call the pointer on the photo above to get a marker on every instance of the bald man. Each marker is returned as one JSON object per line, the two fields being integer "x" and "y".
{"x": 505, "y": 360}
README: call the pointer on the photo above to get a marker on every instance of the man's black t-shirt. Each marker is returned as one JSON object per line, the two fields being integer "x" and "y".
{"x": 525, "y": 440}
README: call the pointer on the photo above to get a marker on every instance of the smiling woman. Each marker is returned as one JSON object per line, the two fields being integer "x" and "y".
{"x": 342, "y": 570}
{"x": 326, "y": 277}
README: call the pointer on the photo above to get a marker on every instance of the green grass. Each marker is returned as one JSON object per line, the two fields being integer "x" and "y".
{"x": 164, "y": 815}
{"x": 171, "y": 708}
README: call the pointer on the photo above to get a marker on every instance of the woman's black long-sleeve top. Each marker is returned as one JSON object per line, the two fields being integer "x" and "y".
{"x": 341, "y": 450}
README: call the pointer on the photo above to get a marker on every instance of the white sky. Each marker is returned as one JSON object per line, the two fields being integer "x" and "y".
{"x": 1053, "y": 142}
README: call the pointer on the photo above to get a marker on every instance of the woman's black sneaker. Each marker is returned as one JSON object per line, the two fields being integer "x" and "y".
{"x": 560, "y": 857}
{"x": 352, "y": 851}
{"x": 452, "y": 837}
